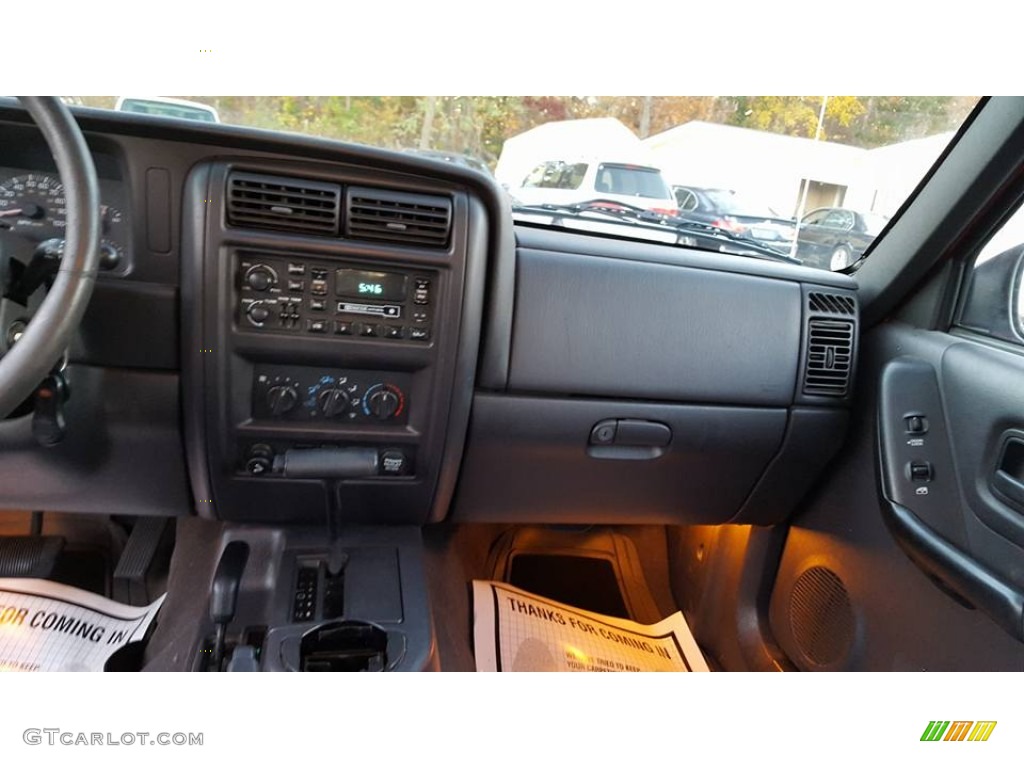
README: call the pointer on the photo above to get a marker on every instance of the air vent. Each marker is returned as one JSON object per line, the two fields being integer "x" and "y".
{"x": 831, "y": 303}
{"x": 284, "y": 204}
{"x": 829, "y": 357}
{"x": 397, "y": 217}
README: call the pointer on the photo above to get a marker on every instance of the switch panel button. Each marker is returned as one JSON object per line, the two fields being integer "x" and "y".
{"x": 921, "y": 471}
{"x": 916, "y": 425}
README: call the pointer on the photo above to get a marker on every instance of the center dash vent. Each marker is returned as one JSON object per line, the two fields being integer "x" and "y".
{"x": 397, "y": 217}
{"x": 284, "y": 204}
{"x": 829, "y": 357}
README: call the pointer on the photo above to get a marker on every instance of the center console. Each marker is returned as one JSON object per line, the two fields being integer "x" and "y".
{"x": 330, "y": 328}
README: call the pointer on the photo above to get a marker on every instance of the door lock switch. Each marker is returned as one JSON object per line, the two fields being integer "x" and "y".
{"x": 921, "y": 471}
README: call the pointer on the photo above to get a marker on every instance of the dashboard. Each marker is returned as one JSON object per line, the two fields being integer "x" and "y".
{"x": 291, "y": 330}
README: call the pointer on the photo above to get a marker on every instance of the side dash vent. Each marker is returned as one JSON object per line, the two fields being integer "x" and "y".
{"x": 829, "y": 357}
{"x": 397, "y": 217}
{"x": 283, "y": 204}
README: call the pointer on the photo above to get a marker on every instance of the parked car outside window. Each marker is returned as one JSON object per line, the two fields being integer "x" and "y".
{"x": 737, "y": 213}
{"x": 834, "y": 238}
{"x": 567, "y": 182}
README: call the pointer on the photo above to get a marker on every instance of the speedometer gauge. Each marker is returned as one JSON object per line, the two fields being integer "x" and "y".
{"x": 33, "y": 205}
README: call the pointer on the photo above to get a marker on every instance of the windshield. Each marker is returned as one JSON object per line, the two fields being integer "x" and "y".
{"x": 828, "y": 170}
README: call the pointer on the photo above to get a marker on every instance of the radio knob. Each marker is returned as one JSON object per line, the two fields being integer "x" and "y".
{"x": 260, "y": 277}
{"x": 333, "y": 402}
{"x": 281, "y": 399}
{"x": 258, "y": 312}
{"x": 383, "y": 403}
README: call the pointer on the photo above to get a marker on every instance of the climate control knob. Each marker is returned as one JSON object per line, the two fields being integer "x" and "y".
{"x": 282, "y": 398}
{"x": 384, "y": 401}
{"x": 260, "y": 277}
{"x": 333, "y": 402}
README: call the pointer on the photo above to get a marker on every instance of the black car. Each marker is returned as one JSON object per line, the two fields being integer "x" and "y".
{"x": 732, "y": 211}
{"x": 834, "y": 238}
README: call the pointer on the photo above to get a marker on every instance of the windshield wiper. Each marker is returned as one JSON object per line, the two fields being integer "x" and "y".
{"x": 651, "y": 221}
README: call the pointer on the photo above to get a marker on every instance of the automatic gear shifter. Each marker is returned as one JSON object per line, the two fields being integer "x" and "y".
{"x": 224, "y": 595}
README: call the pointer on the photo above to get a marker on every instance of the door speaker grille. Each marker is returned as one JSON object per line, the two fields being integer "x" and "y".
{"x": 821, "y": 617}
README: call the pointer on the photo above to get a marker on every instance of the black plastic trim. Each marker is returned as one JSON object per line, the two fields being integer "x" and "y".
{"x": 193, "y": 255}
{"x": 477, "y": 230}
{"x": 956, "y": 571}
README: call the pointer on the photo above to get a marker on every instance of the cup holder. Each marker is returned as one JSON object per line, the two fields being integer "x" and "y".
{"x": 344, "y": 646}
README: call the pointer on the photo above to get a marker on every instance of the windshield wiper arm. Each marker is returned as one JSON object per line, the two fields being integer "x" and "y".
{"x": 623, "y": 211}
{"x": 649, "y": 220}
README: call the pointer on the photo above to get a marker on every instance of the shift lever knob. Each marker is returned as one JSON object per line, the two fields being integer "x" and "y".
{"x": 226, "y": 580}
{"x": 224, "y": 595}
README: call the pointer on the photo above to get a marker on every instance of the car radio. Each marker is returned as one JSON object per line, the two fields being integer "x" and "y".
{"x": 312, "y": 296}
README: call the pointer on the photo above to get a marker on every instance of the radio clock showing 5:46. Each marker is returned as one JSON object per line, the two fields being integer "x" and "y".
{"x": 390, "y": 286}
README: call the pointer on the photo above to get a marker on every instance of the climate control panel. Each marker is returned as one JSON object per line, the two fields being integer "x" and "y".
{"x": 339, "y": 396}
{"x": 334, "y": 299}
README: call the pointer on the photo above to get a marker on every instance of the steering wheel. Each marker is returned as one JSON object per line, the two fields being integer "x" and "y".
{"x": 50, "y": 331}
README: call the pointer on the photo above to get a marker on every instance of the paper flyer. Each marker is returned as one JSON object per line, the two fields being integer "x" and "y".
{"x": 515, "y": 631}
{"x": 51, "y": 627}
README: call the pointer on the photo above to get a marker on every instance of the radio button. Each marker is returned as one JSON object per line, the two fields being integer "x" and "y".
{"x": 316, "y": 326}
{"x": 296, "y": 269}
{"x": 419, "y": 334}
{"x": 318, "y": 305}
{"x": 318, "y": 287}
{"x": 343, "y": 327}
{"x": 394, "y": 332}
{"x": 369, "y": 329}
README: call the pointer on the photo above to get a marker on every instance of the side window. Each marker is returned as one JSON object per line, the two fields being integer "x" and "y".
{"x": 572, "y": 176}
{"x": 685, "y": 199}
{"x": 556, "y": 174}
{"x": 815, "y": 218}
{"x": 993, "y": 303}
{"x": 838, "y": 220}
{"x": 535, "y": 177}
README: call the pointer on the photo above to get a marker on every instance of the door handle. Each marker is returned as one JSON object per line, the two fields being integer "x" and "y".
{"x": 1008, "y": 478}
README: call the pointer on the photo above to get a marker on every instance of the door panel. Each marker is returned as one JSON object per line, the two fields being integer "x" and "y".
{"x": 847, "y": 595}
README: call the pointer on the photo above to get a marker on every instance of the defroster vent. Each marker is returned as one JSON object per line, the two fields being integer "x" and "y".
{"x": 831, "y": 303}
{"x": 283, "y": 204}
{"x": 397, "y": 217}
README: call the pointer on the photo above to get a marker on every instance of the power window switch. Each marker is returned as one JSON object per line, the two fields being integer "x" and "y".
{"x": 921, "y": 471}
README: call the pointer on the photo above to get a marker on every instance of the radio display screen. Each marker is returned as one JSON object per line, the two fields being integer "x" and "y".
{"x": 357, "y": 283}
